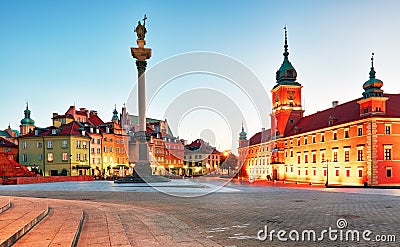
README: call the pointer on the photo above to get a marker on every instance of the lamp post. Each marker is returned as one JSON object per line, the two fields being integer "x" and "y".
{"x": 327, "y": 173}
{"x": 70, "y": 165}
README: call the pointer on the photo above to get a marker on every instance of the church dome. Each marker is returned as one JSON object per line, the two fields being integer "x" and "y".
{"x": 27, "y": 120}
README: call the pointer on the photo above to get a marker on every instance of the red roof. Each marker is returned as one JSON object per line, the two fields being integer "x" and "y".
{"x": 343, "y": 113}
{"x": 6, "y": 143}
{"x": 11, "y": 168}
{"x": 64, "y": 130}
{"x": 95, "y": 119}
{"x": 70, "y": 129}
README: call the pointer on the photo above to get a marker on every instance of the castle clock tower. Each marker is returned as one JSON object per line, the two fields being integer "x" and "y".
{"x": 286, "y": 97}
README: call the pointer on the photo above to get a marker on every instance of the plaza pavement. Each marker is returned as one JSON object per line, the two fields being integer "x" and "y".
{"x": 228, "y": 218}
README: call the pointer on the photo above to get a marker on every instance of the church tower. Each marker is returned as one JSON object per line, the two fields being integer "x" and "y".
{"x": 115, "y": 115}
{"x": 373, "y": 102}
{"x": 286, "y": 97}
{"x": 27, "y": 124}
{"x": 243, "y": 138}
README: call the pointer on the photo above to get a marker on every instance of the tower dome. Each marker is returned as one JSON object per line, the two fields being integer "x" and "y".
{"x": 243, "y": 134}
{"x": 372, "y": 87}
{"x": 286, "y": 74}
{"x": 115, "y": 114}
{"x": 27, "y": 120}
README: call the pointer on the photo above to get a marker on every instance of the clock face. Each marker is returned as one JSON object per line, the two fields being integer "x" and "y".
{"x": 290, "y": 95}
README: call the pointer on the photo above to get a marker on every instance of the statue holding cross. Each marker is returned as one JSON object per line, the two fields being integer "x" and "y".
{"x": 141, "y": 29}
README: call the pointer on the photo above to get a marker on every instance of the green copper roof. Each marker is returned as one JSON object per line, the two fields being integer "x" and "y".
{"x": 115, "y": 114}
{"x": 286, "y": 74}
{"x": 27, "y": 120}
{"x": 372, "y": 87}
{"x": 243, "y": 134}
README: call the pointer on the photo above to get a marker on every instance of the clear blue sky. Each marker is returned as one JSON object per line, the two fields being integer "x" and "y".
{"x": 57, "y": 53}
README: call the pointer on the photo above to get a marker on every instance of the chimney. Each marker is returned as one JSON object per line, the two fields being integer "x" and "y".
{"x": 335, "y": 103}
{"x": 55, "y": 114}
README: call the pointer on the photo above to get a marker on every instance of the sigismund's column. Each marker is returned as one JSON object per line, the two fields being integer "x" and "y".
{"x": 141, "y": 54}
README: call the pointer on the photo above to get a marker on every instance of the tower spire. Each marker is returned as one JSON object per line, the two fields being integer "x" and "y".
{"x": 286, "y": 53}
{"x": 242, "y": 127}
{"x": 372, "y": 71}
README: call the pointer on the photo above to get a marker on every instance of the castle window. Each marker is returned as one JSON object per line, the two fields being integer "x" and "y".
{"x": 306, "y": 158}
{"x": 49, "y": 144}
{"x": 24, "y": 145}
{"x": 334, "y": 135}
{"x": 335, "y": 152}
{"x": 313, "y": 139}
{"x": 314, "y": 157}
{"x": 360, "y": 131}
{"x": 337, "y": 171}
{"x": 346, "y": 133}
{"x": 388, "y": 172}
{"x": 305, "y": 140}
{"x": 388, "y": 152}
{"x": 360, "y": 172}
{"x": 347, "y": 171}
{"x": 298, "y": 142}
{"x": 314, "y": 170}
{"x": 360, "y": 155}
{"x": 291, "y": 153}
{"x": 298, "y": 158}
{"x": 322, "y": 137}
{"x": 25, "y": 158}
{"x": 387, "y": 129}
{"x": 347, "y": 155}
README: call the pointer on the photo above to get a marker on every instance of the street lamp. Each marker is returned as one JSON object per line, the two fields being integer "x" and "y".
{"x": 70, "y": 165}
{"x": 327, "y": 173}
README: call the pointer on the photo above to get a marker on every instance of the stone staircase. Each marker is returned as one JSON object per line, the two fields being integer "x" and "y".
{"x": 52, "y": 222}
{"x": 18, "y": 217}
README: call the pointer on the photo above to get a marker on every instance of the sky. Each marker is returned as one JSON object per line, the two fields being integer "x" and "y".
{"x": 54, "y": 54}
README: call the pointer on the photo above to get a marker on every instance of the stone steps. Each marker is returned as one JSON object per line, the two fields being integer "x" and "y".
{"x": 60, "y": 228}
{"x": 85, "y": 223}
{"x": 19, "y": 219}
{"x": 5, "y": 204}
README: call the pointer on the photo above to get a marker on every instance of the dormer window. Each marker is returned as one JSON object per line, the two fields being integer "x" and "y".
{"x": 53, "y": 131}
